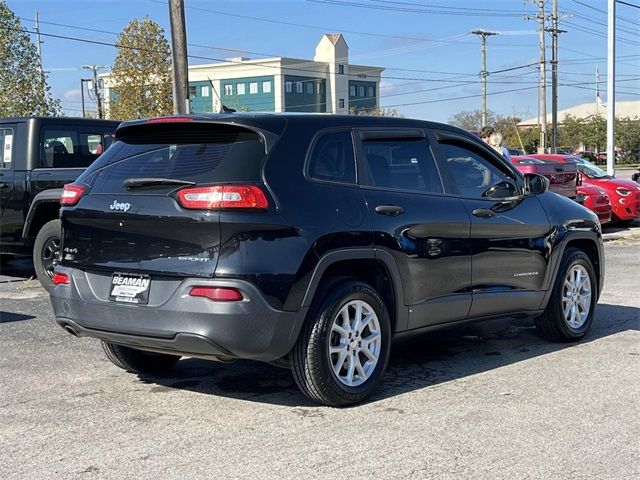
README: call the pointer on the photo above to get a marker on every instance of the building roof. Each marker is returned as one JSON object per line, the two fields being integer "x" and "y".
{"x": 623, "y": 109}
{"x": 334, "y": 37}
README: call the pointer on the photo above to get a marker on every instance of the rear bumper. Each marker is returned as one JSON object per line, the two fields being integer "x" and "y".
{"x": 173, "y": 322}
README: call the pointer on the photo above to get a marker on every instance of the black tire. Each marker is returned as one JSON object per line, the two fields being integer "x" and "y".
{"x": 137, "y": 361}
{"x": 552, "y": 325}
{"x": 311, "y": 363}
{"x": 45, "y": 252}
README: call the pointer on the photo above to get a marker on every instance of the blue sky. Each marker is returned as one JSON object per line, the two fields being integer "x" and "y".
{"x": 425, "y": 45}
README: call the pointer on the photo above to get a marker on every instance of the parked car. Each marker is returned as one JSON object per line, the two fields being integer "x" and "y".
{"x": 563, "y": 177}
{"x": 516, "y": 151}
{"x": 40, "y": 155}
{"x": 596, "y": 200}
{"x": 311, "y": 241}
{"x": 623, "y": 194}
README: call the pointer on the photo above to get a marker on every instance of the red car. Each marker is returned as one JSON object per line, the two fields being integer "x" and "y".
{"x": 562, "y": 178}
{"x": 623, "y": 194}
{"x": 596, "y": 200}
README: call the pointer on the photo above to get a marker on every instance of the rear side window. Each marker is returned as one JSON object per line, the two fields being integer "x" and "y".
{"x": 68, "y": 147}
{"x": 6, "y": 146}
{"x": 405, "y": 164}
{"x": 229, "y": 154}
{"x": 332, "y": 158}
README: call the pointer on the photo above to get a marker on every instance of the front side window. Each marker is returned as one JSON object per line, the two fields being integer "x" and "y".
{"x": 6, "y": 144}
{"x": 399, "y": 163}
{"x": 241, "y": 88}
{"x": 253, "y": 87}
{"x": 332, "y": 158}
{"x": 67, "y": 148}
{"x": 474, "y": 174}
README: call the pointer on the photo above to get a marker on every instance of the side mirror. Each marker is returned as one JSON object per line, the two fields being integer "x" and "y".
{"x": 535, "y": 184}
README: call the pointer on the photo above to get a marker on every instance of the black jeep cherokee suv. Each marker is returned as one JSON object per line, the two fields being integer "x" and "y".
{"x": 312, "y": 240}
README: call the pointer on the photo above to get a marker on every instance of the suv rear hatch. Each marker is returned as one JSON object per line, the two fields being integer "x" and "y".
{"x": 135, "y": 215}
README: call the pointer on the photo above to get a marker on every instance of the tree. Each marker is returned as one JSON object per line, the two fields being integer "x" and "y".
{"x": 471, "y": 120}
{"x": 141, "y": 74}
{"x": 628, "y": 139}
{"x": 23, "y": 87}
{"x": 376, "y": 112}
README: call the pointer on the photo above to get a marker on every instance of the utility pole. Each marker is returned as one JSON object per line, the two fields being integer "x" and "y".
{"x": 97, "y": 96}
{"x": 179, "y": 57}
{"x": 483, "y": 34}
{"x": 542, "y": 100}
{"x": 611, "y": 88}
{"x": 82, "y": 80}
{"x": 39, "y": 44}
{"x": 555, "y": 31}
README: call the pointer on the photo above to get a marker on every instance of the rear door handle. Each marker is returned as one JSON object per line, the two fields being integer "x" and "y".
{"x": 391, "y": 210}
{"x": 483, "y": 213}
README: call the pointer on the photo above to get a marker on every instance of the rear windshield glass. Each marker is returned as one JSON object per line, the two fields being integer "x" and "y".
{"x": 229, "y": 156}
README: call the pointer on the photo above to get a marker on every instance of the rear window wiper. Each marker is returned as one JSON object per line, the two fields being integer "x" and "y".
{"x": 147, "y": 182}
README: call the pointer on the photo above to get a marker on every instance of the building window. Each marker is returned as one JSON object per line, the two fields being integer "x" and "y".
{"x": 288, "y": 87}
{"x": 361, "y": 91}
{"x": 241, "y": 88}
{"x": 266, "y": 87}
{"x": 299, "y": 87}
{"x": 319, "y": 89}
{"x": 253, "y": 87}
{"x": 341, "y": 103}
{"x": 352, "y": 90}
{"x": 309, "y": 88}
{"x": 228, "y": 89}
{"x": 204, "y": 91}
{"x": 341, "y": 69}
{"x": 192, "y": 91}
{"x": 371, "y": 92}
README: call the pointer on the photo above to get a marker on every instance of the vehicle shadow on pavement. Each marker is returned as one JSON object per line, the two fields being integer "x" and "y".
{"x": 419, "y": 363}
{"x": 17, "y": 270}
{"x": 9, "y": 317}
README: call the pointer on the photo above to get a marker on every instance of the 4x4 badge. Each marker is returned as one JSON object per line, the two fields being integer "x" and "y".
{"x": 122, "y": 207}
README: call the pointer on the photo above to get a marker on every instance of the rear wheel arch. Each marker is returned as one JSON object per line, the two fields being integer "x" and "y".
{"x": 365, "y": 265}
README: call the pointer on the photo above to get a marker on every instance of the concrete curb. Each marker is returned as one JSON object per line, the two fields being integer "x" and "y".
{"x": 630, "y": 234}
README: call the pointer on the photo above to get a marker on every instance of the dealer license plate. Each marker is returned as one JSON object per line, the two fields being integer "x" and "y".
{"x": 130, "y": 288}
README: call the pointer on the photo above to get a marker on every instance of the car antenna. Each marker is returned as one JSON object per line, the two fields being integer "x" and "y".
{"x": 223, "y": 107}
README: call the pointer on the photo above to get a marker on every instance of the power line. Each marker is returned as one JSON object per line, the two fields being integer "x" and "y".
{"x": 628, "y": 4}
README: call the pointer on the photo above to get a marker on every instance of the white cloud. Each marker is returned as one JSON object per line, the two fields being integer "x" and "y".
{"x": 73, "y": 94}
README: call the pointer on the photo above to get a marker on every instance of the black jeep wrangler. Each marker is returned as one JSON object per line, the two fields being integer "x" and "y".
{"x": 311, "y": 241}
{"x": 39, "y": 155}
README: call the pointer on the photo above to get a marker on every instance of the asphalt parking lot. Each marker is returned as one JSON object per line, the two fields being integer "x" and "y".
{"x": 484, "y": 401}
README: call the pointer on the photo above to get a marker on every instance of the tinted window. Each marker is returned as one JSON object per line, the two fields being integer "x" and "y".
{"x": 474, "y": 174}
{"x": 406, "y": 164}
{"x": 65, "y": 147}
{"x": 6, "y": 147}
{"x": 225, "y": 155}
{"x": 332, "y": 158}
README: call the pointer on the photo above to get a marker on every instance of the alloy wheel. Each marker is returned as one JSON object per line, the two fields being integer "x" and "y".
{"x": 576, "y": 297}
{"x": 355, "y": 343}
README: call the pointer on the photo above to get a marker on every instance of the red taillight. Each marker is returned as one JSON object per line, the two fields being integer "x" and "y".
{"x": 71, "y": 193}
{"x": 223, "y": 196}
{"x": 60, "y": 279}
{"x": 170, "y": 120}
{"x": 217, "y": 294}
